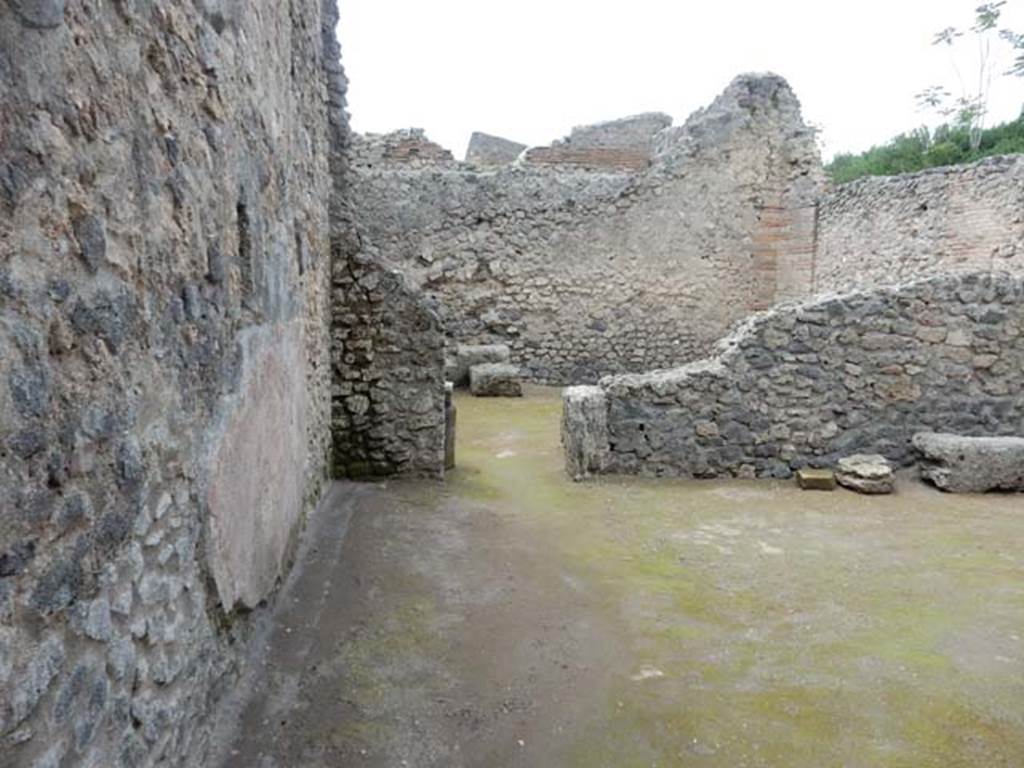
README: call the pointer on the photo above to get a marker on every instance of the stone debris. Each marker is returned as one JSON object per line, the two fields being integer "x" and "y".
{"x": 961, "y": 464}
{"x": 468, "y": 355}
{"x": 816, "y": 479}
{"x": 495, "y": 380}
{"x": 868, "y": 473}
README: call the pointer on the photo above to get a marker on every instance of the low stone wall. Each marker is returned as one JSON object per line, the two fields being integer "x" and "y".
{"x": 807, "y": 384}
{"x": 585, "y": 272}
{"x": 888, "y": 230}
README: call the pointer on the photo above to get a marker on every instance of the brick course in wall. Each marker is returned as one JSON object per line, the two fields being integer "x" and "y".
{"x": 590, "y": 158}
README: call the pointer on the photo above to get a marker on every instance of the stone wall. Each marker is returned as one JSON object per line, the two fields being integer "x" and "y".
{"x": 406, "y": 148}
{"x": 387, "y": 344}
{"x": 636, "y": 133}
{"x": 586, "y": 272}
{"x": 164, "y": 358}
{"x": 806, "y": 384}
{"x": 389, "y": 389}
{"x": 879, "y": 231}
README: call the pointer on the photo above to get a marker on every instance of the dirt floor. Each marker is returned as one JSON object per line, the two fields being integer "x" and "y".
{"x": 511, "y": 618}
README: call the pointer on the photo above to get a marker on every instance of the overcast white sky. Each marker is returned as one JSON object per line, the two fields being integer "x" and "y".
{"x": 529, "y": 70}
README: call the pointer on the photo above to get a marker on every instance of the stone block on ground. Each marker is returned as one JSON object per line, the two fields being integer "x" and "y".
{"x": 468, "y": 355}
{"x": 495, "y": 380}
{"x": 971, "y": 464}
{"x": 866, "y": 473}
{"x": 816, "y": 479}
{"x": 584, "y": 431}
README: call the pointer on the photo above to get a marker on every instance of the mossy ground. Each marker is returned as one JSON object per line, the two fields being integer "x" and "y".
{"x": 792, "y": 628}
{"x": 666, "y": 623}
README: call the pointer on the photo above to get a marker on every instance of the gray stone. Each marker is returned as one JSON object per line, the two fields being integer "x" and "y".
{"x": 866, "y": 473}
{"x": 121, "y": 657}
{"x": 485, "y": 149}
{"x": 169, "y": 308}
{"x": 961, "y": 464}
{"x": 39, "y": 14}
{"x": 46, "y": 661}
{"x": 16, "y": 559}
{"x": 468, "y": 355}
{"x": 636, "y": 132}
{"x": 584, "y": 431}
{"x": 495, "y": 380}
{"x": 92, "y": 619}
{"x": 929, "y": 223}
{"x": 92, "y": 240}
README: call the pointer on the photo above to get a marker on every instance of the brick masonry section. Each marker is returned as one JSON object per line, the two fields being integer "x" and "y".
{"x": 879, "y": 231}
{"x": 591, "y": 157}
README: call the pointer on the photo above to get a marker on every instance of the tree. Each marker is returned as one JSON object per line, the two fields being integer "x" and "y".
{"x": 969, "y": 109}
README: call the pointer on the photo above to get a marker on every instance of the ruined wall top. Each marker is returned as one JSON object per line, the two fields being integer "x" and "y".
{"x": 405, "y": 147}
{"x": 631, "y": 144}
{"x": 485, "y": 149}
{"x": 636, "y": 132}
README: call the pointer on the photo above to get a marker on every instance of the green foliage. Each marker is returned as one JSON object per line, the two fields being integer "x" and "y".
{"x": 970, "y": 108}
{"x": 923, "y": 148}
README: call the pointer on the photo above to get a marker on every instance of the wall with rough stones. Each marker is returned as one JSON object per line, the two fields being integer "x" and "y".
{"x": 886, "y": 230}
{"x": 636, "y": 132}
{"x": 601, "y": 266}
{"x": 485, "y": 149}
{"x": 387, "y": 344}
{"x": 806, "y": 384}
{"x": 408, "y": 148}
{"x": 164, "y": 358}
{"x": 389, "y": 390}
